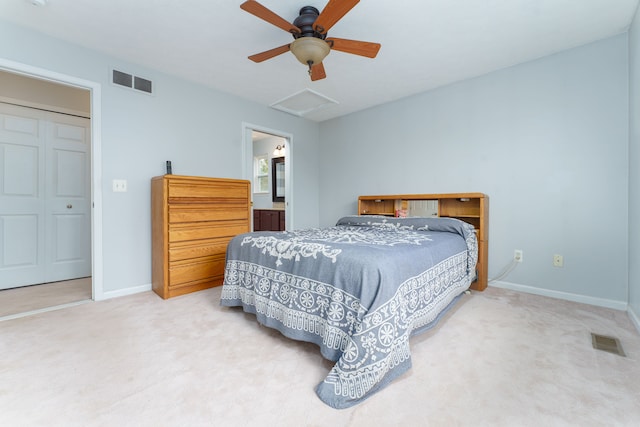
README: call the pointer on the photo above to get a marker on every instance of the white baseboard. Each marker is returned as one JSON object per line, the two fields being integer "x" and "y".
{"x": 635, "y": 318}
{"x": 125, "y": 292}
{"x": 600, "y": 302}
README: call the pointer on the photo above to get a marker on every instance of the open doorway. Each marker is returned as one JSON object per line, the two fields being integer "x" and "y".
{"x": 267, "y": 160}
{"x": 30, "y": 98}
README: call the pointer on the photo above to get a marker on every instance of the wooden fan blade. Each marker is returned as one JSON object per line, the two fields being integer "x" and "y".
{"x": 317, "y": 72}
{"x": 268, "y": 54}
{"x": 356, "y": 47}
{"x": 255, "y": 8}
{"x": 332, "y": 13}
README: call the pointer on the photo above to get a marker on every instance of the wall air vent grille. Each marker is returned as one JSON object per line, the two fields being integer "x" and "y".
{"x": 121, "y": 78}
{"x": 142, "y": 84}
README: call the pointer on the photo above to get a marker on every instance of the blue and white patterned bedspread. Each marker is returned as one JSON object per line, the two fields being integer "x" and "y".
{"x": 358, "y": 290}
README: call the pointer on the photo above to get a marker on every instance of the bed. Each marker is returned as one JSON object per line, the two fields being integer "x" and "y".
{"x": 358, "y": 290}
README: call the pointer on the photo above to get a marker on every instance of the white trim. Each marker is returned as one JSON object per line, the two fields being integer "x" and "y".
{"x": 635, "y": 319}
{"x": 127, "y": 291}
{"x": 96, "y": 157}
{"x": 247, "y": 164}
{"x": 600, "y": 302}
{"x": 46, "y": 107}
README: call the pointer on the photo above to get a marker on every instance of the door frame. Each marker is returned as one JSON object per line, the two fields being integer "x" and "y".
{"x": 247, "y": 165}
{"x": 95, "y": 94}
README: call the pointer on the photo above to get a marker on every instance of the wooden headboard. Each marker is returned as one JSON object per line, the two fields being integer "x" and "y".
{"x": 469, "y": 207}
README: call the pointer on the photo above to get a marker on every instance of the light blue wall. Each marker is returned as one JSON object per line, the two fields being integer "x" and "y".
{"x": 546, "y": 140}
{"x": 634, "y": 169}
{"x": 199, "y": 129}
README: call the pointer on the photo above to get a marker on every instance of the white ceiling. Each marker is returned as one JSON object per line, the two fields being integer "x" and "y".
{"x": 425, "y": 43}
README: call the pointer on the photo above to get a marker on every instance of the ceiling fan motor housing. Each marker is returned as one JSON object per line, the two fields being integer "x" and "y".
{"x": 308, "y": 15}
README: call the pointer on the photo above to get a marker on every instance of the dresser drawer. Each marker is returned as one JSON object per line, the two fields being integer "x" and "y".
{"x": 207, "y": 190}
{"x": 206, "y": 230}
{"x": 202, "y": 269}
{"x": 178, "y": 252}
{"x": 208, "y": 212}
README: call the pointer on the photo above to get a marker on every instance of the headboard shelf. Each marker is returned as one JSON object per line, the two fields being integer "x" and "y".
{"x": 472, "y": 208}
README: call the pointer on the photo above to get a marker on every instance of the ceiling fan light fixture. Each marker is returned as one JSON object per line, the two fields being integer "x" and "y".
{"x": 310, "y": 50}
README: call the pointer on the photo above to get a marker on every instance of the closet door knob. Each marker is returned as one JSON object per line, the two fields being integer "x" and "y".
{"x": 69, "y": 206}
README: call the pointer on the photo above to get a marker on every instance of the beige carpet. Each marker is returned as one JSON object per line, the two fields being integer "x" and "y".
{"x": 499, "y": 358}
{"x": 45, "y": 296}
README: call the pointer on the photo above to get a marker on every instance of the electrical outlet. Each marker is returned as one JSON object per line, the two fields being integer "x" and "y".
{"x": 119, "y": 185}
{"x": 517, "y": 255}
{"x": 558, "y": 261}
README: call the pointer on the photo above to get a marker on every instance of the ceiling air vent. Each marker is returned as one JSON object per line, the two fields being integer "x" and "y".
{"x": 133, "y": 82}
{"x": 303, "y": 102}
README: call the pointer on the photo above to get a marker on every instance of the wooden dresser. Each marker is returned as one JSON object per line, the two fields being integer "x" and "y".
{"x": 469, "y": 207}
{"x": 192, "y": 221}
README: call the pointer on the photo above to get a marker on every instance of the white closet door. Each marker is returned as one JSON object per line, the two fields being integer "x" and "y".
{"x": 43, "y": 157}
{"x": 22, "y": 221}
{"x": 68, "y": 198}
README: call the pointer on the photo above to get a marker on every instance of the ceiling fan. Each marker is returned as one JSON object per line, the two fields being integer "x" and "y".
{"x": 311, "y": 44}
